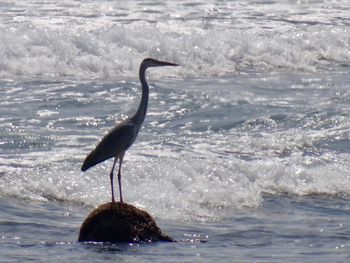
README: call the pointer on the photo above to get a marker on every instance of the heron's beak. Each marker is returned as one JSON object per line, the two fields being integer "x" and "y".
{"x": 164, "y": 63}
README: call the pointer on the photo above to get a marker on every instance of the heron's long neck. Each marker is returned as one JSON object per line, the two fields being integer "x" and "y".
{"x": 141, "y": 111}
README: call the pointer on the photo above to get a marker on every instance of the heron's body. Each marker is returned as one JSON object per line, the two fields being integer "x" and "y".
{"x": 111, "y": 145}
{"x": 119, "y": 139}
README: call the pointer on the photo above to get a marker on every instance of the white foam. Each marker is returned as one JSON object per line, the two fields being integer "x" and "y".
{"x": 46, "y": 113}
{"x": 95, "y": 46}
{"x": 193, "y": 183}
{"x": 201, "y": 165}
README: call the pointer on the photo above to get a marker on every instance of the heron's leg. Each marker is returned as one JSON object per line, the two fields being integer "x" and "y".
{"x": 111, "y": 177}
{"x": 121, "y": 156}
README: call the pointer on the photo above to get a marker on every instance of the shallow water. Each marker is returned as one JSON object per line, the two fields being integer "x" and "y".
{"x": 283, "y": 228}
{"x": 244, "y": 153}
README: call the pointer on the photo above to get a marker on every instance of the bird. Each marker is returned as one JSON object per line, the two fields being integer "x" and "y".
{"x": 119, "y": 139}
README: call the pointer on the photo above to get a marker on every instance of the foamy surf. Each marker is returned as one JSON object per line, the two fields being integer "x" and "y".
{"x": 244, "y": 153}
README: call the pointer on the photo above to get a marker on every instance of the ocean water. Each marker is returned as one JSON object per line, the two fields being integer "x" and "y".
{"x": 244, "y": 155}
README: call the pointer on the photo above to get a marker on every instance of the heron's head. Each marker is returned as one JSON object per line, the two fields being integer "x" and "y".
{"x": 151, "y": 62}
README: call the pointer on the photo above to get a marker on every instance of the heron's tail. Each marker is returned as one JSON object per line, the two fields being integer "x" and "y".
{"x": 89, "y": 162}
{"x": 94, "y": 158}
{"x": 85, "y": 166}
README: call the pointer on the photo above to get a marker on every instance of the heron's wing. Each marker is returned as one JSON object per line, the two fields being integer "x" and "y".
{"x": 118, "y": 140}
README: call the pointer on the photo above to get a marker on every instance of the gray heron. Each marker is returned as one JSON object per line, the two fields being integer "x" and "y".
{"x": 120, "y": 138}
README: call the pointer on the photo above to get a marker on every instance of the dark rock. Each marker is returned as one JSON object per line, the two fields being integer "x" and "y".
{"x": 116, "y": 222}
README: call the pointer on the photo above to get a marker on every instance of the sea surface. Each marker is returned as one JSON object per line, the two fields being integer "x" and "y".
{"x": 244, "y": 155}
